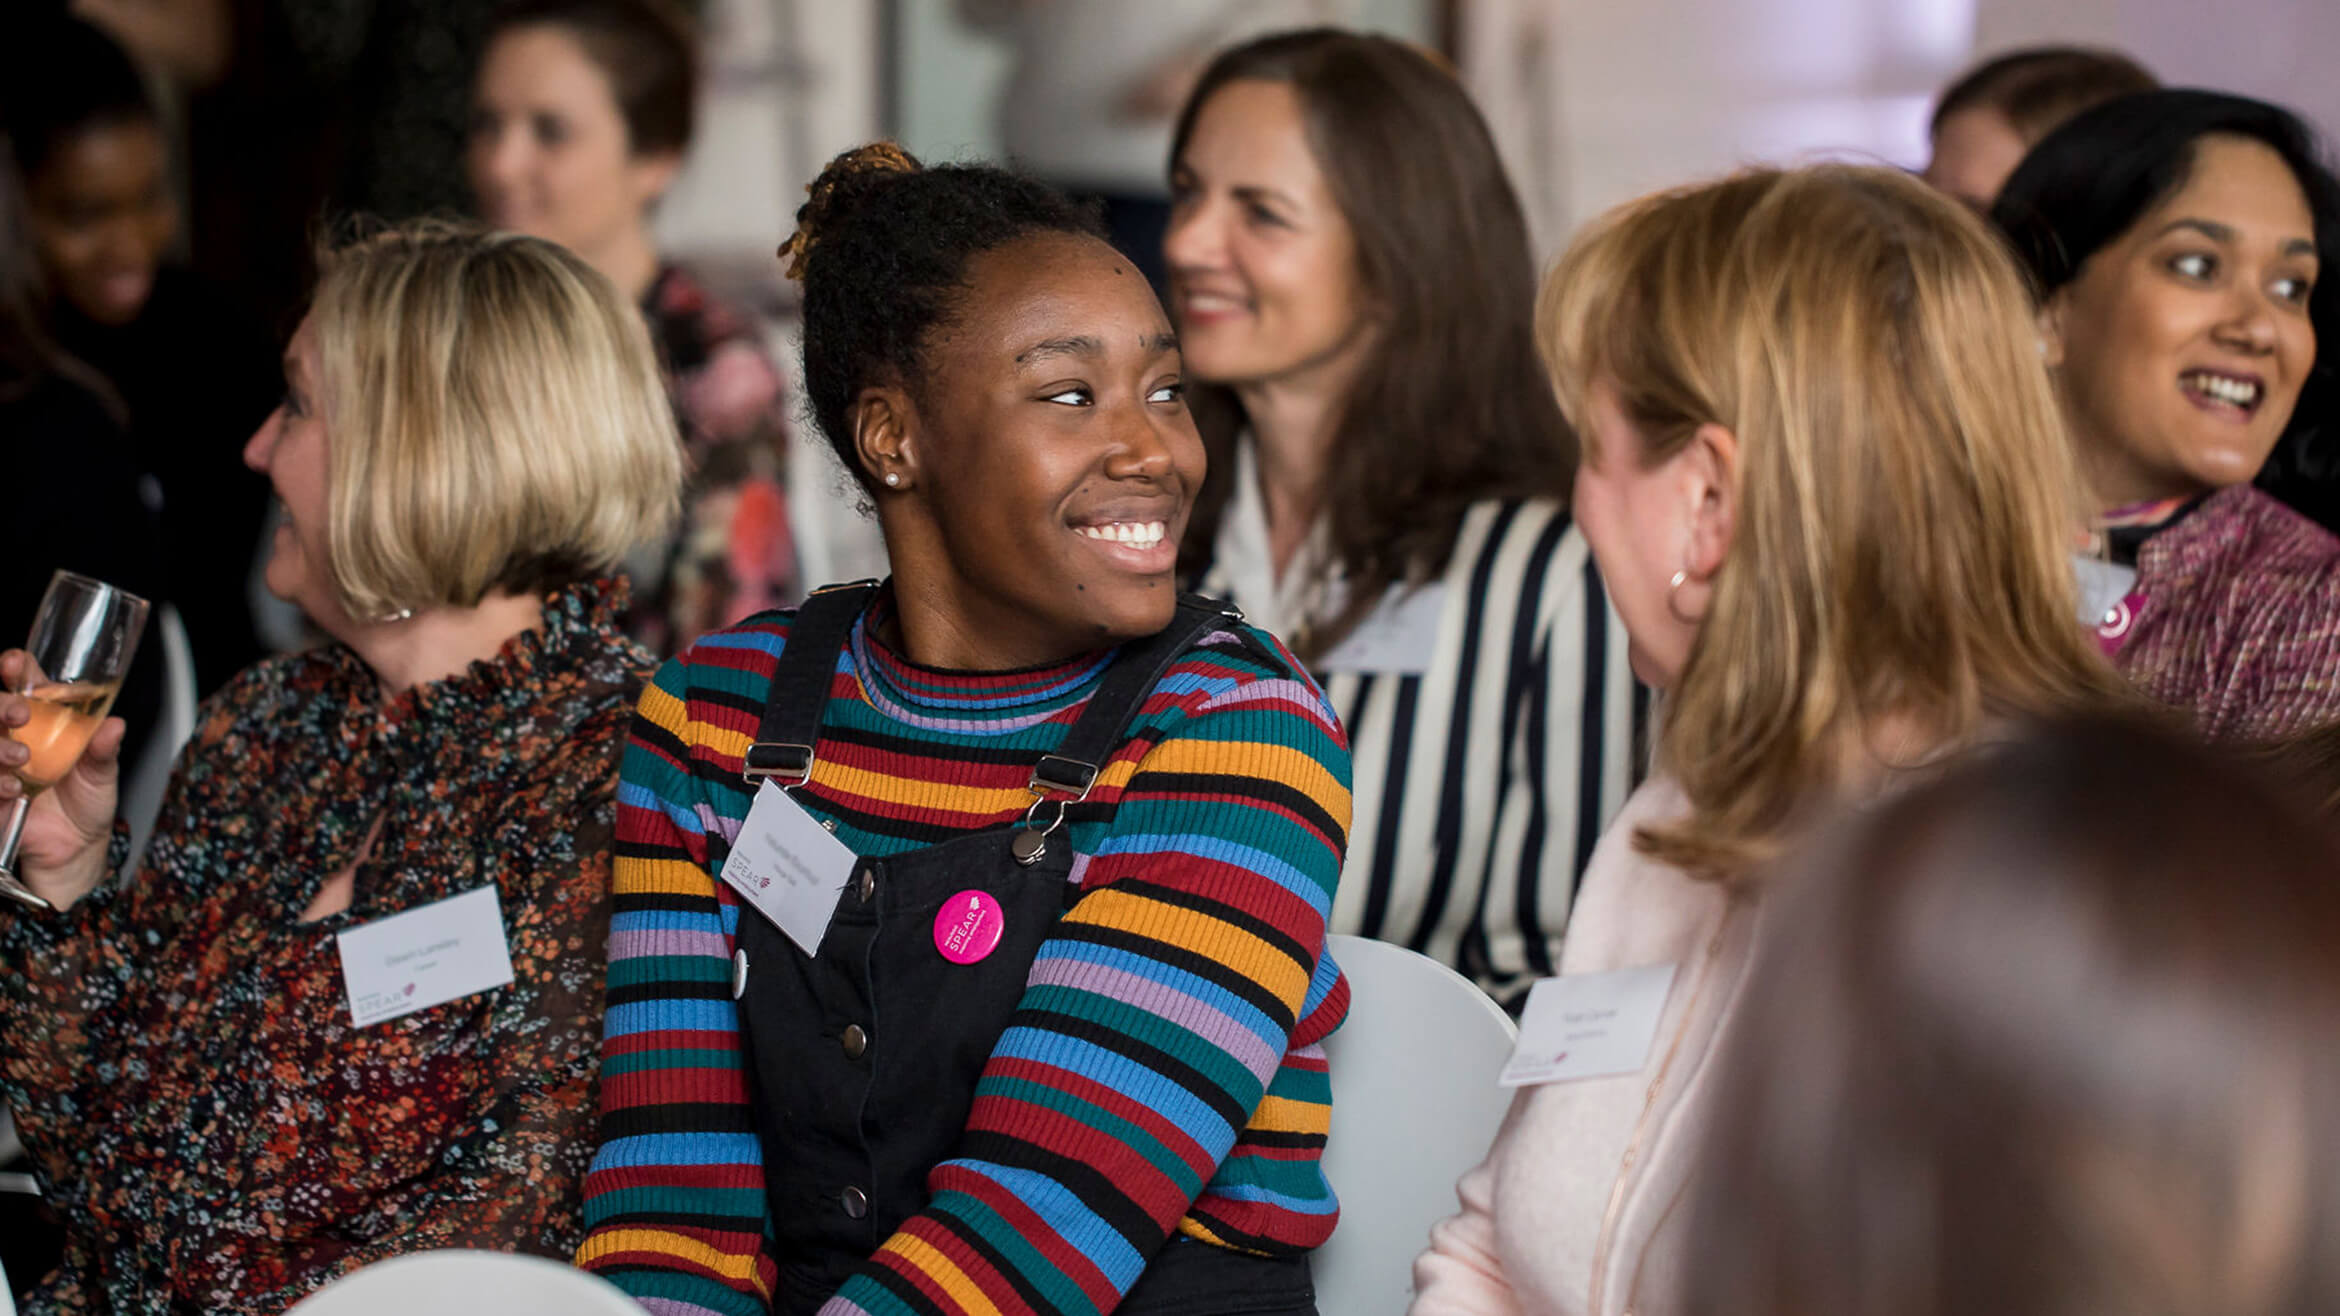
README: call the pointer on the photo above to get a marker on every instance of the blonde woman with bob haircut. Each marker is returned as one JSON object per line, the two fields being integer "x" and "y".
{"x": 1829, "y": 492}
{"x": 227, "y": 1100}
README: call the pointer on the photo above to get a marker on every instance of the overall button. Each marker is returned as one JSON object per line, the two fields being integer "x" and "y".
{"x": 866, "y": 885}
{"x": 738, "y": 974}
{"x": 854, "y": 1040}
{"x": 855, "y": 1201}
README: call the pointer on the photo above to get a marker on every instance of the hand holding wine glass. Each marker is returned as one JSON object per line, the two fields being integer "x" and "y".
{"x": 61, "y": 750}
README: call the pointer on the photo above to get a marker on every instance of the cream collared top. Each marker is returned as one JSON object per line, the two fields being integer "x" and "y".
{"x": 1579, "y": 1208}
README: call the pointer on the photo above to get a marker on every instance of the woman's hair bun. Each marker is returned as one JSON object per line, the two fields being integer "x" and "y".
{"x": 838, "y": 193}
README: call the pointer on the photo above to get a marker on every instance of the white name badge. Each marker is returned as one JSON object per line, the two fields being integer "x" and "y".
{"x": 1399, "y": 637}
{"x": 1589, "y": 1025}
{"x": 789, "y": 867}
{"x": 427, "y": 956}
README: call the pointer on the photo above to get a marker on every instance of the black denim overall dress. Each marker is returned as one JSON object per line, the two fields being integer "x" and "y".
{"x": 863, "y": 1059}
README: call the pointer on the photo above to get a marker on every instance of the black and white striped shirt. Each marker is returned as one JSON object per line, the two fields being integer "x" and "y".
{"x": 1494, "y": 724}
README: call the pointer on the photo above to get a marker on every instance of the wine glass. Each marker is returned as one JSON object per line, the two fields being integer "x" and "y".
{"x": 80, "y": 649}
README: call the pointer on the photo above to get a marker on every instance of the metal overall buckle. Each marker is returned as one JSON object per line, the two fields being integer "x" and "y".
{"x": 1056, "y": 782}
{"x": 785, "y": 766}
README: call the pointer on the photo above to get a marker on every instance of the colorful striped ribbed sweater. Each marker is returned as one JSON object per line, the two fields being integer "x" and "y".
{"x": 1207, "y": 853}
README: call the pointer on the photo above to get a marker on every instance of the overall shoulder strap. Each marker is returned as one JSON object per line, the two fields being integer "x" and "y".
{"x": 1073, "y": 768}
{"x": 791, "y": 725}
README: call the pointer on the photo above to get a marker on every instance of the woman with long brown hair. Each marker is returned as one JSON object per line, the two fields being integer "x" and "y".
{"x": 1829, "y": 490}
{"x": 1388, "y": 486}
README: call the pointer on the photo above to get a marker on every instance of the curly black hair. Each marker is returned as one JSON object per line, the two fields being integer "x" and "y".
{"x": 882, "y": 248}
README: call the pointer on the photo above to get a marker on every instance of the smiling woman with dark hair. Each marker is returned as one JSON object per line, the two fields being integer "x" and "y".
{"x": 1389, "y": 484}
{"x": 2175, "y": 240}
{"x": 969, "y": 941}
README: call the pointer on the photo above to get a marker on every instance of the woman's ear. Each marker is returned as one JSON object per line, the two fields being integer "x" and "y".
{"x": 885, "y": 437}
{"x": 1711, "y": 481}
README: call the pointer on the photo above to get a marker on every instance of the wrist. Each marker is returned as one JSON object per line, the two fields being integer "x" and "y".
{"x": 66, "y": 884}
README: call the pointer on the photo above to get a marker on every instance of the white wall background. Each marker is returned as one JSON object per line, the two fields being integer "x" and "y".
{"x": 790, "y": 83}
{"x": 1599, "y": 100}
{"x": 950, "y": 74}
{"x": 2281, "y": 50}
{"x": 1602, "y": 100}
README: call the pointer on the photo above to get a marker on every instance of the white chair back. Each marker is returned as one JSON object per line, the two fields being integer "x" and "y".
{"x": 10, "y": 1149}
{"x": 144, "y": 781}
{"x": 456, "y": 1280}
{"x": 1415, "y": 1104}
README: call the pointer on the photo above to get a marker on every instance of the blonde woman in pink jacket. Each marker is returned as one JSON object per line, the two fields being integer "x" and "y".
{"x": 1831, "y": 496}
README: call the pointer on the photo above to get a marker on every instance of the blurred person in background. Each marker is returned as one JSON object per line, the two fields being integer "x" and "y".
{"x": 2312, "y": 759}
{"x": 2000, "y": 108}
{"x": 1095, "y": 86}
{"x": 82, "y": 502}
{"x": 80, "y": 508}
{"x": 1389, "y": 479}
{"x": 2175, "y": 240}
{"x": 2055, "y": 1035}
{"x": 474, "y": 431}
{"x": 1828, "y": 487}
{"x": 195, "y": 374}
{"x": 583, "y": 115}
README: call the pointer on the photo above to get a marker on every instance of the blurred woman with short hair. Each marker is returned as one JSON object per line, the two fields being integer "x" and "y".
{"x": 474, "y": 432}
{"x": 583, "y": 114}
{"x": 2000, "y": 108}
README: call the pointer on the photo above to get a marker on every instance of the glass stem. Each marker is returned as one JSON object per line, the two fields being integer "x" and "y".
{"x": 15, "y": 834}
{"x": 9, "y": 886}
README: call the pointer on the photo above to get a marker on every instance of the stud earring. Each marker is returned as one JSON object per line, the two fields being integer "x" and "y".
{"x": 893, "y": 479}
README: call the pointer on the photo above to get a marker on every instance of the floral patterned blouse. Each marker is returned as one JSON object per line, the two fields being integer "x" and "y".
{"x": 732, "y": 554}
{"x": 178, "y": 1047}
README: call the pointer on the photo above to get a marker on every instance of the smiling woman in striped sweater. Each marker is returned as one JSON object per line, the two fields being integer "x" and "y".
{"x": 1042, "y": 1031}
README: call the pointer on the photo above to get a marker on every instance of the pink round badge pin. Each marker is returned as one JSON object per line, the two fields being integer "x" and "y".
{"x": 968, "y": 927}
